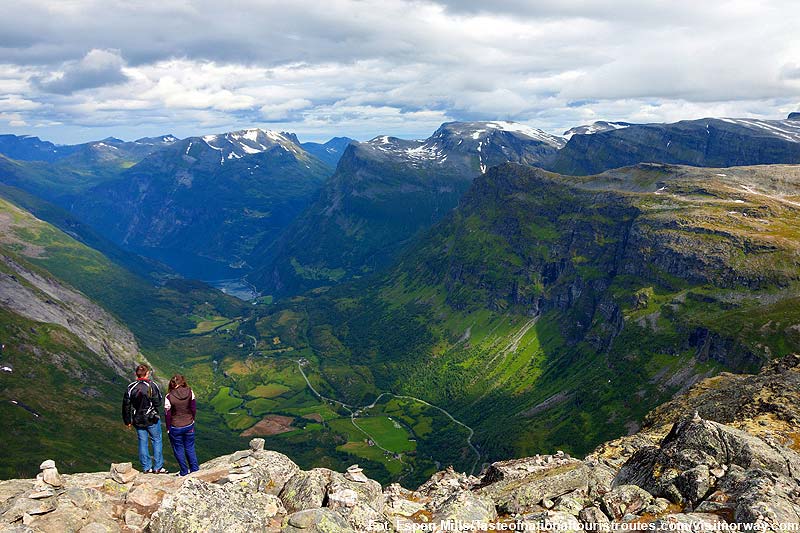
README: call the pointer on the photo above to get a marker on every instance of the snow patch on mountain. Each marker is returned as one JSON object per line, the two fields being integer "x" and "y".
{"x": 788, "y": 130}
{"x": 596, "y": 127}
{"x": 238, "y": 144}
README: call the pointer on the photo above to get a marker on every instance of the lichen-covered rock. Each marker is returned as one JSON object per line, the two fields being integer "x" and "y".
{"x": 400, "y": 502}
{"x": 442, "y": 485}
{"x": 144, "y": 496}
{"x": 625, "y": 499}
{"x": 695, "y": 483}
{"x": 231, "y": 508}
{"x": 688, "y": 522}
{"x": 316, "y": 521}
{"x": 17, "y": 508}
{"x": 271, "y": 470}
{"x": 766, "y": 498}
{"x": 552, "y": 521}
{"x": 680, "y": 468}
{"x": 306, "y": 490}
{"x": 100, "y": 527}
{"x": 517, "y": 486}
{"x": 592, "y": 516}
{"x": 571, "y": 503}
{"x": 467, "y": 507}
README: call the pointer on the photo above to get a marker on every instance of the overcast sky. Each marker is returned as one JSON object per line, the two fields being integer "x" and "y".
{"x": 76, "y": 70}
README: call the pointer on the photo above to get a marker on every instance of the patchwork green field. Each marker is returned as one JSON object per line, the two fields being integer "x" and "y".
{"x": 267, "y": 395}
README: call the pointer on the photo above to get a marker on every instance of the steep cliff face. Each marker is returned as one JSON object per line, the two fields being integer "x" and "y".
{"x": 35, "y": 294}
{"x": 385, "y": 191}
{"x": 40, "y": 298}
{"x": 698, "y": 474}
{"x": 708, "y": 142}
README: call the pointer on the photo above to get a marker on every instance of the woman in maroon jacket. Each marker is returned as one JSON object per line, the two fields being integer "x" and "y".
{"x": 180, "y": 409}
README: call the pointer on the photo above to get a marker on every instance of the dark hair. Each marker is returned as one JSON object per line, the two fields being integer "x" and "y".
{"x": 141, "y": 371}
{"x": 177, "y": 382}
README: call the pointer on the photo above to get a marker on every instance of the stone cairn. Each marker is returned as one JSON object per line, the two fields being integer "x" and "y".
{"x": 48, "y": 481}
{"x": 122, "y": 473}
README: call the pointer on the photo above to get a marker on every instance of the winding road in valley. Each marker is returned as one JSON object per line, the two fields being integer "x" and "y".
{"x": 354, "y": 410}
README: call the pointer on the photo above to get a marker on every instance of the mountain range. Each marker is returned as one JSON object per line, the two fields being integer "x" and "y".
{"x": 383, "y": 192}
{"x": 489, "y": 292}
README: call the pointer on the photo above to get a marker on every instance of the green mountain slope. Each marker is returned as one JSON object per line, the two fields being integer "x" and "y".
{"x": 65, "y": 310}
{"x": 553, "y": 312}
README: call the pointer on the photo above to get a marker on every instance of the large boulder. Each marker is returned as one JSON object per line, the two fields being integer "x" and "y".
{"x": 306, "y": 490}
{"x": 625, "y": 499}
{"x": 233, "y": 508}
{"x": 271, "y": 470}
{"x": 316, "y": 521}
{"x": 695, "y": 454}
{"x": 360, "y": 502}
{"x": 761, "y": 497}
{"x": 466, "y": 507}
{"x": 517, "y": 486}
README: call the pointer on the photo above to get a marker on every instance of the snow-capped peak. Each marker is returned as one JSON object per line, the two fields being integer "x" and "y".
{"x": 482, "y": 141}
{"x": 237, "y": 144}
{"x": 483, "y": 130}
{"x": 527, "y": 131}
{"x": 596, "y": 127}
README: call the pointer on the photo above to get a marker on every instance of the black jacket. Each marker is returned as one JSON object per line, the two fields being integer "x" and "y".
{"x": 141, "y": 403}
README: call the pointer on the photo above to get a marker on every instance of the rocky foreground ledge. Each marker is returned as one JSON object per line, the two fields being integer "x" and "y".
{"x": 702, "y": 475}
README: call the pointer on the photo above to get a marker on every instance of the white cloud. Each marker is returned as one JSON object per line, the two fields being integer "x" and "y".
{"x": 97, "y": 67}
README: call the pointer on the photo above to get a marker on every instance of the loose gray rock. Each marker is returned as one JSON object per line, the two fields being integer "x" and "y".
{"x": 466, "y": 507}
{"x": 122, "y": 473}
{"x": 306, "y": 490}
{"x": 241, "y": 454}
{"x": 201, "y": 506}
{"x": 625, "y": 499}
{"x": 517, "y": 486}
{"x": 694, "y": 442}
{"x": 316, "y": 521}
{"x": 593, "y": 516}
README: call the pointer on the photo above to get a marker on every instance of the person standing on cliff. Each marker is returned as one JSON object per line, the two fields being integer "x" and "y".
{"x": 180, "y": 410}
{"x": 140, "y": 409}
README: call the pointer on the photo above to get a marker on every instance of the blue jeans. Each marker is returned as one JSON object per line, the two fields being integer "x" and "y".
{"x": 150, "y": 433}
{"x": 182, "y": 440}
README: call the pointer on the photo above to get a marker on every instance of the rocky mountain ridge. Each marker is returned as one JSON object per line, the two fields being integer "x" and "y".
{"x": 203, "y": 204}
{"x": 708, "y": 142}
{"x": 383, "y": 192}
{"x": 703, "y": 475}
